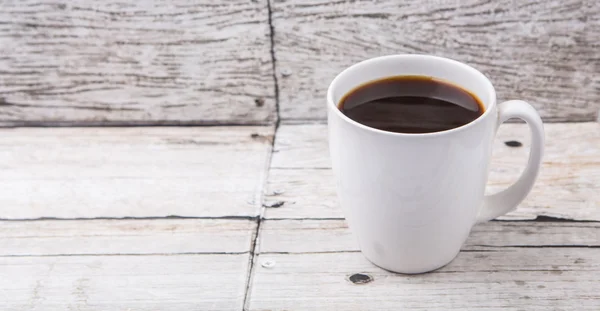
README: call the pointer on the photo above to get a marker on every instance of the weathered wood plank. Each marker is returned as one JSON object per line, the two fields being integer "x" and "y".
{"x": 519, "y": 265}
{"x": 135, "y": 62}
{"x": 503, "y": 279}
{"x": 544, "y": 52}
{"x": 132, "y": 172}
{"x": 568, "y": 185}
{"x": 158, "y": 264}
{"x": 113, "y": 237}
{"x": 304, "y": 236}
{"x": 117, "y": 283}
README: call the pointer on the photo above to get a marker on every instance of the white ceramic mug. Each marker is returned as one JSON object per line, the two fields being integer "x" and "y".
{"x": 412, "y": 199}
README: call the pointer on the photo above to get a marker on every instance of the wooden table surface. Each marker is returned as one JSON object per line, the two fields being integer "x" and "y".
{"x": 215, "y": 218}
{"x": 236, "y": 210}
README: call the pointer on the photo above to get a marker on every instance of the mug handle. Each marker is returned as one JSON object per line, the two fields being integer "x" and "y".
{"x": 505, "y": 201}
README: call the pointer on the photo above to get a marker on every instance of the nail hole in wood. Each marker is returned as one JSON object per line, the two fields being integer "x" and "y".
{"x": 277, "y": 192}
{"x": 513, "y": 143}
{"x": 275, "y": 204}
{"x": 360, "y": 278}
{"x": 259, "y": 102}
{"x": 286, "y": 72}
{"x": 268, "y": 264}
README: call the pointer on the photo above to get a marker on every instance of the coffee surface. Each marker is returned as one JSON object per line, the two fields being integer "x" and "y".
{"x": 411, "y": 104}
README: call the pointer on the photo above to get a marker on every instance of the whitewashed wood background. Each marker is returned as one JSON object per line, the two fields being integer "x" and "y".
{"x": 544, "y": 52}
{"x": 135, "y": 62}
{"x": 243, "y": 216}
{"x": 91, "y": 62}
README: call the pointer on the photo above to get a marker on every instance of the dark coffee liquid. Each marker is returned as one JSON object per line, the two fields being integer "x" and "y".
{"x": 411, "y": 104}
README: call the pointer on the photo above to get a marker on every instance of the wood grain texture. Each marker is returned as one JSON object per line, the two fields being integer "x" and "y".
{"x": 568, "y": 185}
{"x": 135, "y": 62}
{"x": 118, "y": 283}
{"x": 320, "y": 236}
{"x": 503, "y": 266}
{"x": 132, "y": 172}
{"x": 502, "y": 279}
{"x": 118, "y": 237}
{"x": 544, "y": 52}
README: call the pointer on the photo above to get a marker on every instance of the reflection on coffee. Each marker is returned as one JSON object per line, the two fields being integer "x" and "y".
{"x": 411, "y": 104}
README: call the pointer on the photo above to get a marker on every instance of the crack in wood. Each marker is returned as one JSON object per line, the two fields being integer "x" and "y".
{"x": 252, "y": 218}
{"x": 315, "y": 252}
{"x": 539, "y": 246}
{"x": 127, "y": 254}
{"x": 252, "y": 259}
{"x": 129, "y": 123}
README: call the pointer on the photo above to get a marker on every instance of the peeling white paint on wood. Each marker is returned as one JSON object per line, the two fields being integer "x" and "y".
{"x": 503, "y": 266}
{"x": 568, "y": 185}
{"x": 125, "y": 236}
{"x": 135, "y": 62}
{"x": 544, "y": 52}
{"x": 118, "y": 283}
{"x": 132, "y": 172}
{"x": 501, "y": 279}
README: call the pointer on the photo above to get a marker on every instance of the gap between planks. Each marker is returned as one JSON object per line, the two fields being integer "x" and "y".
{"x": 252, "y": 257}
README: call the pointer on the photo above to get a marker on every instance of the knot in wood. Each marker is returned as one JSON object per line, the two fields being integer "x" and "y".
{"x": 360, "y": 278}
{"x": 259, "y": 102}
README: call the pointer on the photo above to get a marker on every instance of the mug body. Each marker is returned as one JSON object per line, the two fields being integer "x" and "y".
{"x": 411, "y": 199}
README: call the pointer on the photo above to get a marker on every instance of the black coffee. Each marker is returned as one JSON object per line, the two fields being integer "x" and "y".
{"x": 411, "y": 104}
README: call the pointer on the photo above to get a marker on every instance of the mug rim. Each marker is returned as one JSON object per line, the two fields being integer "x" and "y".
{"x": 490, "y": 88}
